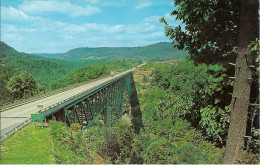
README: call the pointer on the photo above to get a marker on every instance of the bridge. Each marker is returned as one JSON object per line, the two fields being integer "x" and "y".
{"x": 81, "y": 105}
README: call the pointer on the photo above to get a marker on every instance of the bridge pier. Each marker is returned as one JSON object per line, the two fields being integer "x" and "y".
{"x": 107, "y": 121}
{"x": 59, "y": 116}
{"x": 136, "y": 114}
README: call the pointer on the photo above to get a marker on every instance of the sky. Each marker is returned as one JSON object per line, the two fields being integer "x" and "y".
{"x": 56, "y": 26}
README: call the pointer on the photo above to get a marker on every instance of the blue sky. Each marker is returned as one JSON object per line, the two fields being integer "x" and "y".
{"x": 56, "y": 26}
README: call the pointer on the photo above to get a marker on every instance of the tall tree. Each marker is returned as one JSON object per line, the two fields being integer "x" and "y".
{"x": 215, "y": 30}
{"x": 248, "y": 30}
{"x": 22, "y": 85}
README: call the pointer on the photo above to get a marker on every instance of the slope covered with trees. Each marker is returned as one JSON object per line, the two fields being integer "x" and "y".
{"x": 42, "y": 69}
{"x": 159, "y": 52}
{"x": 95, "y": 70}
{"x": 24, "y": 75}
{"x": 17, "y": 68}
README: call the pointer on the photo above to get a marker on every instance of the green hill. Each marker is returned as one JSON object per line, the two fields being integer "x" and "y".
{"x": 44, "y": 70}
{"x": 49, "y": 55}
{"x": 156, "y": 52}
{"x": 23, "y": 75}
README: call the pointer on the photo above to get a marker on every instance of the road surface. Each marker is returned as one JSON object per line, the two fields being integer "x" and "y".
{"x": 13, "y": 117}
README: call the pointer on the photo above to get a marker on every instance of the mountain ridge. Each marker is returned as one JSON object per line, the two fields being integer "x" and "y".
{"x": 159, "y": 51}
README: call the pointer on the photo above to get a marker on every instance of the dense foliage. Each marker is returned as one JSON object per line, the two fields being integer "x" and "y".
{"x": 94, "y": 146}
{"x": 79, "y": 75}
{"x": 22, "y": 85}
{"x": 126, "y": 147}
{"x": 95, "y": 70}
{"x": 195, "y": 95}
{"x": 220, "y": 32}
{"x": 200, "y": 94}
{"x": 211, "y": 29}
{"x": 170, "y": 139}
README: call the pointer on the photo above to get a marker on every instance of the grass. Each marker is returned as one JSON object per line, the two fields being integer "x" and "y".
{"x": 28, "y": 146}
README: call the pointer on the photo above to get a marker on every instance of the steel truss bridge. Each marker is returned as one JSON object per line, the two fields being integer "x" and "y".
{"x": 105, "y": 100}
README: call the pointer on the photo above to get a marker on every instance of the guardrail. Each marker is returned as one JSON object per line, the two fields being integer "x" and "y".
{"x": 17, "y": 128}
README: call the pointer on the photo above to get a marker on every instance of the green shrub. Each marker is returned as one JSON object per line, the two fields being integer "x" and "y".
{"x": 69, "y": 149}
{"x": 199, "y": 94}
{"x": 160, "y": 151}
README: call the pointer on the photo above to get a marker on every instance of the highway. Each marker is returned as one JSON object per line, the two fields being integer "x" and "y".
{"x": 13, "y": 117}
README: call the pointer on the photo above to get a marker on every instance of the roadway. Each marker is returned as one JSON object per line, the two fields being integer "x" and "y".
{"x": 13, "y": 117}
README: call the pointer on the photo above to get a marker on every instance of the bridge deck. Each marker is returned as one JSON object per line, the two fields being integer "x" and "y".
{"x": 13, "y": 117}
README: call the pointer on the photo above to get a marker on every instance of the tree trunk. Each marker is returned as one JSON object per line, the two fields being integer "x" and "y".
{"x": 248, "y": 30}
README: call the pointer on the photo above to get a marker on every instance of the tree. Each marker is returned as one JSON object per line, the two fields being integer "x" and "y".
{"x": 210, "y": 29}
{"x": 248, "y": 30}
{"x": 22, "y": 85}
{"x": 6, "y": 73}
{"x": 213, "y": 31}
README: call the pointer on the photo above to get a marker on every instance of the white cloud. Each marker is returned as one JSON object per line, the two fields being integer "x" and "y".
{"x": 12, "y": 37}
{"x": 12, "y": 14}
{"x": 153, "y": 19}
{"x": 38, "y": 7}
{"x": 39, "y": 34}
{"x": 92, "y": 1}
{"x": 157, "y": 34}
{"x": 86, "y": 11}
{"x": 55, "y": 37}
{"x": 108, "y": 2}
{"x": 142, "y": 5}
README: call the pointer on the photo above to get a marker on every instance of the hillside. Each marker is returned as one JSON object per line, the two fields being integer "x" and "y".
{"x": 49, "y": 55}
{"x": 24, "y": 75}
{"x": 44, "y": 70}
{"x": 156, "y": 52}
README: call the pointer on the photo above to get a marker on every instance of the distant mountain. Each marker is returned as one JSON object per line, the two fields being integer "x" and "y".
{"x": 49, "y": 55}
{"x": 44, "y": 70}
{"x": 157, "y": 52}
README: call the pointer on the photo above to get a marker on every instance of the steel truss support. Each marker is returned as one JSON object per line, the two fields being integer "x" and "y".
{"x": 106, "y": 100}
